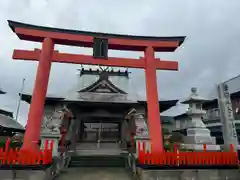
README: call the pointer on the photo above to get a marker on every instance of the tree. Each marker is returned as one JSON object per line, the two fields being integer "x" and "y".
{"x": 172, "y": 138}
{"x": 176, "y": 137}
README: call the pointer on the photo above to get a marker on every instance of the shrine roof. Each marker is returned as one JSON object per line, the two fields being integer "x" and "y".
{"x": 50, "y": 99}
{"x": 8, "y": 122}
{"x": 164, "y": 104}
{"x": 84, "y": 92}
{"x": 233, "y": 87}
{"x": 118, "y": 86}
{"x": 13, "y": 25}
{"x": 175, "y": 111}
{"x": 6, "y": 112}
{"x": 122, "y": 82}
{"x": 2, "y": 92}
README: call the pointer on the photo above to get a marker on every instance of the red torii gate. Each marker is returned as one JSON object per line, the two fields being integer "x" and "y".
{"x": 101, "y": 42}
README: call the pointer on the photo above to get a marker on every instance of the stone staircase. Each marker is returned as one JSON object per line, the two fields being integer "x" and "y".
{"x": 98, "y": 161}
{"x": 105, "y": 163}
{"x": 93, "y": 173}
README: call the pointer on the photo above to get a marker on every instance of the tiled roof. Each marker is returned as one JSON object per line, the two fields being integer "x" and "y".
{"x": 124, "y": 83}
{"x": 233, "y": 86}
{"x": 2, "y": 92}
{"x": 177, "y": 110}
{"x": 8, "y": 122}
{"x": 121, "y": 86}
{"x": 121, "y": 82}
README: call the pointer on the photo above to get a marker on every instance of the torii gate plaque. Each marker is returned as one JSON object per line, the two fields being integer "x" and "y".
{"x": 101, "y": 42}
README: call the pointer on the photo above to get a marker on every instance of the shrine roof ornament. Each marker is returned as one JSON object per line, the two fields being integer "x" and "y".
{"x": 110, "y": 72}
{"x": 104, "y": 84}
{"x": 138, "y": 43}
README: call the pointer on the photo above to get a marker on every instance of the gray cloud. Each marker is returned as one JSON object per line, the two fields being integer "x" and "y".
{"x": 209, "y": 55}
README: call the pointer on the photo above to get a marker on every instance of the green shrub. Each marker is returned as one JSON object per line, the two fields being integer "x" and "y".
{"x": 12, "y": 144}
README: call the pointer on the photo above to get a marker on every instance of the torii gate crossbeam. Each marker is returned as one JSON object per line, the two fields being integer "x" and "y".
{"x": 51, "y": 36}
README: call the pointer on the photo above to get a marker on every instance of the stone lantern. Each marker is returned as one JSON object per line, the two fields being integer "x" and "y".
{"x": 197, "y": 133}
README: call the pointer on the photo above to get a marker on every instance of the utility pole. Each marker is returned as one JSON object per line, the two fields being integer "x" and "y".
{"x": 20, "y": 98}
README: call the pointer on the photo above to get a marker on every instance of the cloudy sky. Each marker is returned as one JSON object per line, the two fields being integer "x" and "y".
{"x": 209, "y": 55}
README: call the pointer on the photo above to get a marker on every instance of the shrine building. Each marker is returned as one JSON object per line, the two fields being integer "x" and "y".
{"x": 100, "y": 103}
{"x": 8, "y": 125}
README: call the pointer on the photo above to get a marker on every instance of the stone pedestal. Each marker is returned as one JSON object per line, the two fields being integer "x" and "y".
{"x": 50, "y": 129}
{"x": 50, "y": 136}
{"x": 140, "y": 140}
{"x": 24, "y": 175}
{"x": 194, "y": 174}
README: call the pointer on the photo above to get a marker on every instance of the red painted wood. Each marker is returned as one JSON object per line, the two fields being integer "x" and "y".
{"x": 87, "y": 40}
{"x": 151, "y": 80}
{"x": 154, "y": 123}
{"x": 186, "y": 158}
{"x": 35, "y": 115}
{"x": 166, "y": 65}
{"x": 46, "y": 55}
{"x": 85, "y": 59}
{"x": 16, "y": 156}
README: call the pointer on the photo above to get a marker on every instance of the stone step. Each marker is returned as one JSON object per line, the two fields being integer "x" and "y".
{"x": 98, "y": 161}
{"x": 95, "y": 173}
{"x": 100, "y": 152}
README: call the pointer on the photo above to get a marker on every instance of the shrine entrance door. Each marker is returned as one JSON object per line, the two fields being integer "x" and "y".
{"x": 101, "y": 135}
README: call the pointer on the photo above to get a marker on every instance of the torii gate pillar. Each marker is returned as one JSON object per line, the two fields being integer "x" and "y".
{"x": 152, "y": 101}
{"x": 39, "y": 93}
{"x": 101, "y": 43}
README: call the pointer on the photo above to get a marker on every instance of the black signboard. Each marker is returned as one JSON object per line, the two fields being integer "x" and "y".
{"x": 100, "y": 48}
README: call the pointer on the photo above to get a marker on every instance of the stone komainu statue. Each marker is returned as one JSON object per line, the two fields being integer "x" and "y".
{"x": 58, "y": 122}
{"x": 54, "y": 123}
